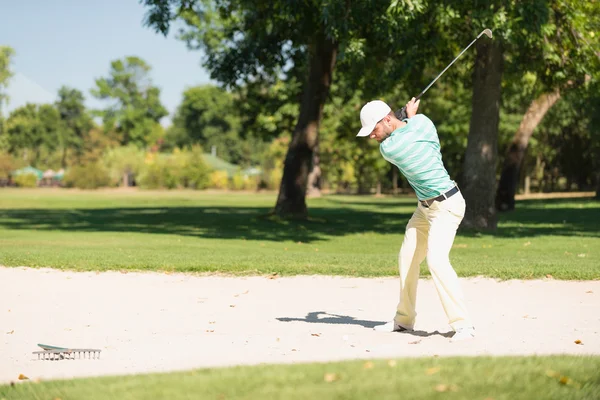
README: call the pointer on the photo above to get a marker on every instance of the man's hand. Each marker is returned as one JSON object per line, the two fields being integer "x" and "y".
{"x": 411, "y": 107}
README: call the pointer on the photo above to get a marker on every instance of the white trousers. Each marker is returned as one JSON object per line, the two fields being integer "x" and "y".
{"x": 430, "y": 234}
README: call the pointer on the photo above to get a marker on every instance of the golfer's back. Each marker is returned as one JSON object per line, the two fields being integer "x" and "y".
{"x": 415, "y": 150}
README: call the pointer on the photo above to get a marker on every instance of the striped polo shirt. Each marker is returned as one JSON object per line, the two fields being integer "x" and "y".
{"x": 415, "y": 150}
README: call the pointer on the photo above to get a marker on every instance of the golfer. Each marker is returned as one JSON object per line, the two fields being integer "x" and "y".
{"x": 413, "y": 146}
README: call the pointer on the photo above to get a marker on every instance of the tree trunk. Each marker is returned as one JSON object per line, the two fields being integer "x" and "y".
{"x": 597, "y": 185}
{"x": 313, "y": 186}
{"x": 479, "y": 177}
{"x": 291, "y": 201}
{"x": 507, "y": 186}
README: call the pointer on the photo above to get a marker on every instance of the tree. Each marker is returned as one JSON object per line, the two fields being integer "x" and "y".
{"x": 76, "y": 121}
{"x": 33, "y": 128}
{"x": 247, "y": 41}
{"x": 567, "y": 42}
{"x": 136, "y": 108}
{"x": 521, "y": 30}
{"x": 6, "y": 54}
{"x": 207, "y": 116}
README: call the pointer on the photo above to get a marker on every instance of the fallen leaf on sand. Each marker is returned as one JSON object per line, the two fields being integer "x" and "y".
{"x": 22, "y": 377}
{"x": 294, "y": 350}
{"x": 433, "y": 370}
{"x": 589, "y": 291}
{"x": 442, "y": 387}
{"x": 549, "y": 276}
{"x": 415, "y": 342}
{"x": 11, "y": 332}
{"x": 578, "y": 341}
{"x": 392, "y": 363}
{"x": 331, "y": 377}
{"x": 273, "y": 275}
{"x": 315, "y": 334}
{"x": 210, "y": 330}
{"x": 211, "y": 322}
{"x": 232, "y": 305}
{"x": 369, "y": 365}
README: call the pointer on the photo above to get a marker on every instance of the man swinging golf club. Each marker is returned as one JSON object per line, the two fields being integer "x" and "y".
{"x": 413, "y": 146}
{"x": 410, "y": 142}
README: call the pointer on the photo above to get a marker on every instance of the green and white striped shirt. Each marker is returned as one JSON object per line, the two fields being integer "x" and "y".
{"x": 415, "y": 150}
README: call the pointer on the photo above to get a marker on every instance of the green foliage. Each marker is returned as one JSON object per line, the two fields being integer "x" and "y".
{"x": 218, "y": 180}
{"x": 6, "y": 54}
{"x": 181, "y": 169}
{"x": 76, "y": 121}
{"x": 240, "y": 181}
{"x": 26, "y": 180}
{"x": 88, "y": 176}
{"x": 207, "y": 116}
{"x": 155, "y": 174}
{"x": 34, "y": 128}
{"x": 123, "y": 160}
{"x": 273, "y": 160}
{"x": 7, "y": 165}
{"x": 136, "y": 108}
{"x": 567, "y": 142}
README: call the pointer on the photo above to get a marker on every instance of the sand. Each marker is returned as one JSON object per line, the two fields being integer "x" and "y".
{"x": 156, "y": 322}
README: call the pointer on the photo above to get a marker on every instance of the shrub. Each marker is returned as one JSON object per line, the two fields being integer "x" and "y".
{"x": 219, "y": 180}
{"x": 154, "y": 173}
{"x": 181, "y": 169}
{"x": 7, "y": 164}
{"x": 196, "y": 173}
{"x": 123, "y": 160}
{"x": 243, "y": 182}
{"x": 88, "y": 176}
{"x": 26, "y": 180}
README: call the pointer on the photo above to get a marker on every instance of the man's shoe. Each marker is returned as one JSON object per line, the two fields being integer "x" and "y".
{"x": 390, "y": 327}
{"x": 461, "y": 334}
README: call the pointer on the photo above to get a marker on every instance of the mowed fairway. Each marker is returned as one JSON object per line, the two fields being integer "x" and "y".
{"x": 191, "y": 231}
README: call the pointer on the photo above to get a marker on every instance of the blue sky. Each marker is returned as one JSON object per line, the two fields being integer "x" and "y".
{"x": 72, "y": 42}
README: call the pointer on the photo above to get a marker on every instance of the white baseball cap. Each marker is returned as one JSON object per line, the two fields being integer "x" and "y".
{"x": 371, "y": 114}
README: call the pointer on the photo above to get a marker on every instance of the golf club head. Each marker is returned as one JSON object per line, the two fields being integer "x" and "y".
{"x": 487, "y": 32}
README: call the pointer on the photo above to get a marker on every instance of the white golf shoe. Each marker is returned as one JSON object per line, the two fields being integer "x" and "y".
{"x": 466, "y": 333}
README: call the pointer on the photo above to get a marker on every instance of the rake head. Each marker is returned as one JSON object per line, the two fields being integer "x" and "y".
{"x": 54, "y": 353}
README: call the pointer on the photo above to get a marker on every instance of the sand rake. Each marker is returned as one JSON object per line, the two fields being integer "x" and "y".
{"x": 63, "y": 353}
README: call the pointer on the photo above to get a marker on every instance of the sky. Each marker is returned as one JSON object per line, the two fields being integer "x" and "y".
{"x": 72, "y": 42}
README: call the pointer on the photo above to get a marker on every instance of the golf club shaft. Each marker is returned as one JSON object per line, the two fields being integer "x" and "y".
{"x": 441, "y": 73}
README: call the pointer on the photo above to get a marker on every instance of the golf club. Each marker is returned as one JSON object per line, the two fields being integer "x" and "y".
{"x": 401, "y": 114}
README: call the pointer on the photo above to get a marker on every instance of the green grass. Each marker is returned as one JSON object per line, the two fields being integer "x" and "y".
{"x": 229, "y": 233}
{"x": 509, "y": 378}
